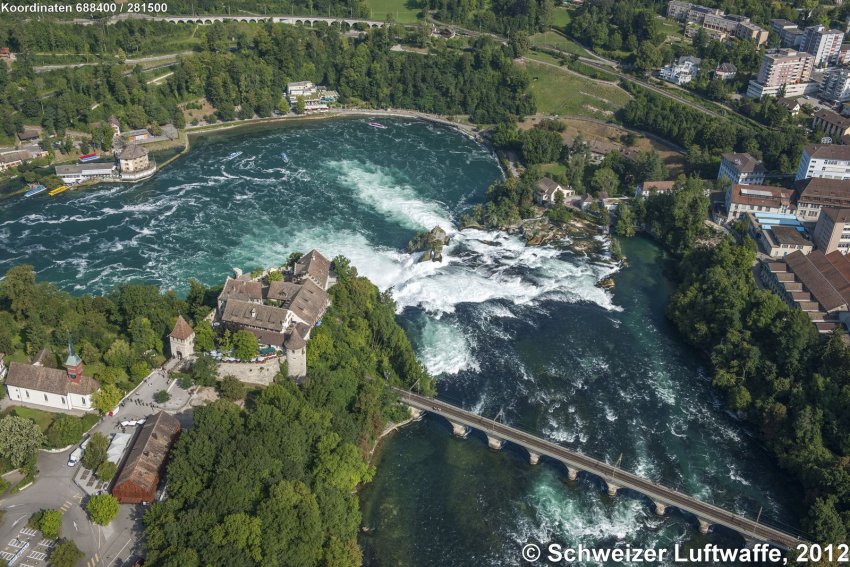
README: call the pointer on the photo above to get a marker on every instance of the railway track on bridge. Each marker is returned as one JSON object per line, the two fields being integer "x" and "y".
{"x": 614, "y": 477}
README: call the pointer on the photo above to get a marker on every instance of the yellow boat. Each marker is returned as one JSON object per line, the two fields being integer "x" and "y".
{"x": 60, "y": 189}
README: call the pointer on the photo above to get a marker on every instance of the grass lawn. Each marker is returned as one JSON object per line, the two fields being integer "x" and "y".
{"x": 563, "y": 93}
{"x": 669, "y": 27}
{"x": 554, "y": 40}
{"x": 561, "y": 17}
{"x": 398, "y": 9}
{"x": 554, "y": 168}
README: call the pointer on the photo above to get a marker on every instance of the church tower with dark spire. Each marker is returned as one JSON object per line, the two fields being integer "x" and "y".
{"x": 73, "y": 364}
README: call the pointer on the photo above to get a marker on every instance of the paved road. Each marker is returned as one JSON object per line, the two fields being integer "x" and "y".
{"x": 620, "y": 478}
{"x": 54, "y": 487}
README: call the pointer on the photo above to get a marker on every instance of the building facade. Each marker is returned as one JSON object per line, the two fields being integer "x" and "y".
{"x": 836, "y": 84}
{"x": 832, "y": 231}
{"x": 38, "y": 384}
{"x": 828, "y": 161}
{"x": 824, "y": 44}
{"x": 741, "y": 199}
{"x": 547, "y": 192}
{"x": 133, "y": 159}
{"x": 181, "y": 341}
{"x": 741, "y": 168}
{"x": 815, "y": 193}
{"x": 833, "y": 124}
{"x": 783, "y": 69}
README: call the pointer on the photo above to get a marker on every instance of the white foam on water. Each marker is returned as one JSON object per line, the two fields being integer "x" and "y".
{"x": 445, "y": 349}
{"x": 377, "y": 188}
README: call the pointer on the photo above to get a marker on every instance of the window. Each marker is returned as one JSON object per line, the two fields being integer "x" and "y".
{"x": 28, "y": 393}
{"x": 63, "y": 401}
{"x": 45, "y": 398}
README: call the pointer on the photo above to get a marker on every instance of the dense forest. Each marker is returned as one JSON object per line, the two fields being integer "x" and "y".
{"x": 274, "y": 484}
{"x": 250, "y": 80}
{"x": 766, "y": 357}
{"x": 236, "y": 7}
{"x": 779, "y": 148}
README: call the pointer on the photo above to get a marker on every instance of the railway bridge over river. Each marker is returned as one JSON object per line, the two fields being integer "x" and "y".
{"x": 615, "y": 478}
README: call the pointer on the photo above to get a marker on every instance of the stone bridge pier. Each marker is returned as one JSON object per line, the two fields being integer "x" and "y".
{"x": 533, "y": 458}
{"x": 572, "y": 473}
{"x": 494, "y": 442}
{"x": 416, "y": 414}
{"x": 660, "y": 508}
{"x": 704, "y": 526}
{"x": 612, "y": 488}
{"x": 459, "y": 430}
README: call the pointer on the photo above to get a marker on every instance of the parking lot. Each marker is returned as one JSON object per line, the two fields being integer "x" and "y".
{"x": 27, "y": 548}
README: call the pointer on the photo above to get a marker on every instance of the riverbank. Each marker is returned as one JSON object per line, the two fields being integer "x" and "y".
{"x": 183, "y": 143}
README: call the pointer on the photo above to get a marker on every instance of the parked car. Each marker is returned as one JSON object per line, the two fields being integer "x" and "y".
{"x": 77, "y": 454}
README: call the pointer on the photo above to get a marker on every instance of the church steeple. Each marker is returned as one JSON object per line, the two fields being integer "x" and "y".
{"x": 73, "y": 364}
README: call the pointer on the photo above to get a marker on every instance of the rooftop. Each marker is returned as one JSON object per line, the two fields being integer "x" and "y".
{"x": 133, "y": 151}
{"x": 836, "y": 214}
{"x": 182, "y": 331}
{"x": 828, "y": 151}
{"x": 822, "y": 191}
{"x": 761, "y": 195}
{"x": 743, "y": 162}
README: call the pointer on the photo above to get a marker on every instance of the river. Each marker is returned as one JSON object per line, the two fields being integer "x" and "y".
{"x": 509, "y": 330}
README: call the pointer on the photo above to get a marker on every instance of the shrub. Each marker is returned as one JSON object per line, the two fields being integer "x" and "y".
{"x": 161, "y": 397}
{"x": 64, "y": 431}
{"x": 51, "y": 523}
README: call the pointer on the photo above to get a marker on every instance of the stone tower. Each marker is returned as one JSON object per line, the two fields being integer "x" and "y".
{"x": 296, "y": 355}
{"x": 182, "y": 339}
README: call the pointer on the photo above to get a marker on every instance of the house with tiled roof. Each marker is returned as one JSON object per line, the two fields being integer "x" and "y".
{"x": 281, "y": 314}
{"x": 140, "y": 473}
{"x": 546, "y": 192}
{"x": 36, "y": 383}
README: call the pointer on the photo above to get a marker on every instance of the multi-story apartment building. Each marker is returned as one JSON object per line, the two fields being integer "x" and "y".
{"x": 832, "y": 231}
{"x": 783, "y": 69}
{"x": 742, "y": 199}
{"x": 823, "y": 44}
{"x": 827, "y": 161}
{"x": 789, "y": 33}
{"x": 836, "y": 84}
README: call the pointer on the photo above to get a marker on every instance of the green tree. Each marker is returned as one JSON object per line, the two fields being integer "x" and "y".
{"x": 300, "y": 105}
{"x": 204, "y": 370}
{"x": 107, "y": 398}
{"x": 229, "y": 388}
{"x": 19, "y": 439}
{"x": 106, "y": 470}
{"x": 204, "y": 336}
{"x": 66, "y": 554}
{"x": 605, "y": 179}
{"x": 245, "y": 345}
{"x": 95, "y": 451}
{"x": 119, "y": 354}
{"x": 161, "y": 397}
{"x": 625, "y": 221}
{"x": 102, "y": 509}
{"x": 50, "y": 523}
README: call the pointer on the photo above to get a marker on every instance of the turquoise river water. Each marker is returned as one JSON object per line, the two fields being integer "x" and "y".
{"x": 505, "y": 327}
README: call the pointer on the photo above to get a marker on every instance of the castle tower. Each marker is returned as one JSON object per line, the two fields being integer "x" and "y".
{"x": 296, "y": 354}
{"x": 73, "y": 364}
{"x": 182, "y": 339}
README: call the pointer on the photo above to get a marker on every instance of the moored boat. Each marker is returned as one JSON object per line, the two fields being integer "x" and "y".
{"x": 374, "y": 124}
{"x": 88, "y": 157}
{"x": 284, "y": 157}
{"x": 60, "y": 189}
{"x": 35, "y": 190}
